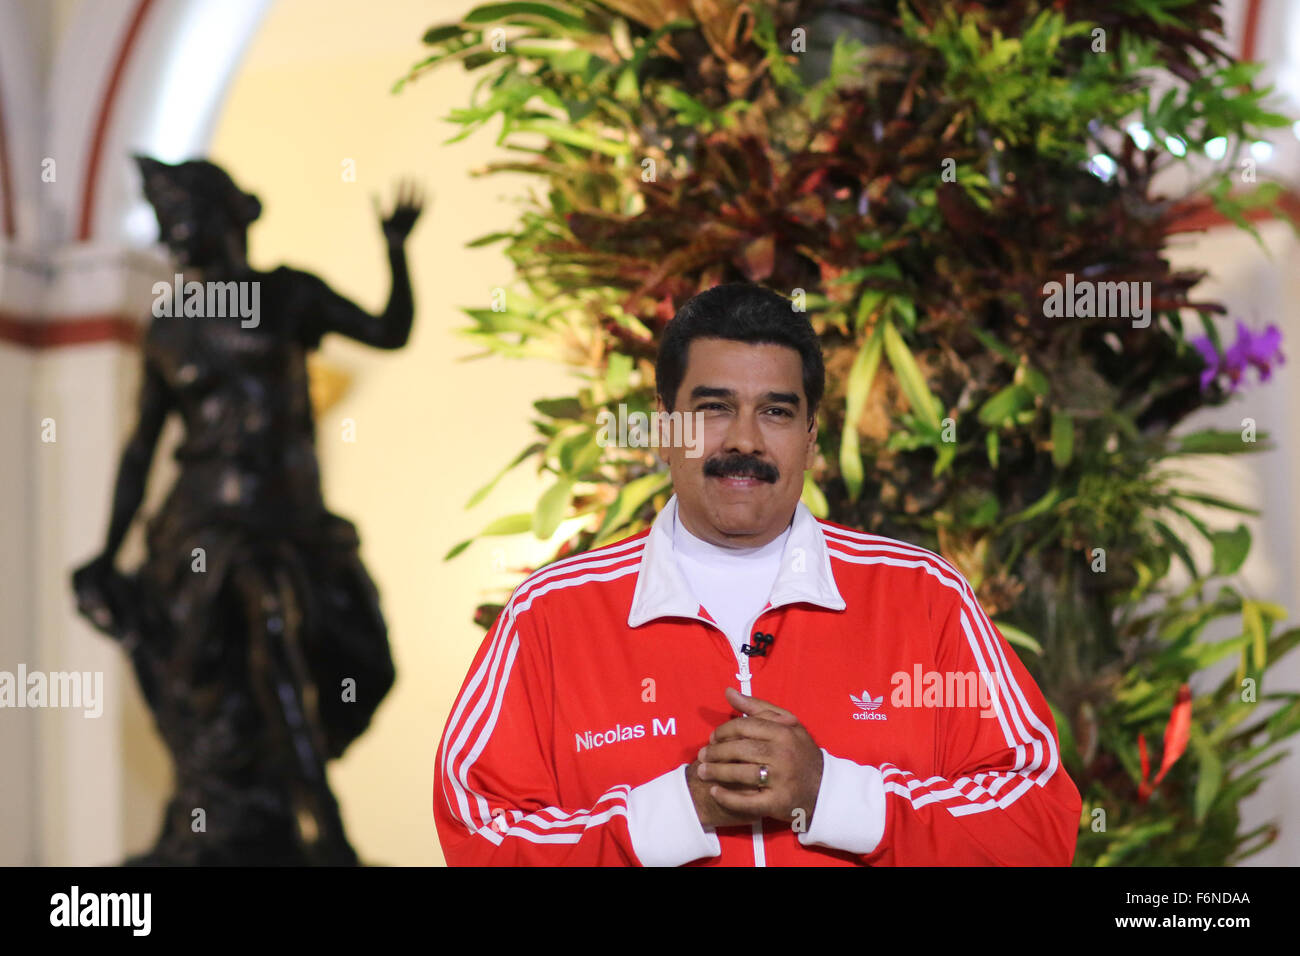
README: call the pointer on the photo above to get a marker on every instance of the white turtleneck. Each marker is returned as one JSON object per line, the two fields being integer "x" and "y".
{"x": 733, "y": 584}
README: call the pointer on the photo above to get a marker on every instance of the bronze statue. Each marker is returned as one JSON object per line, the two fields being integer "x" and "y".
{"x": 252, "y": 626}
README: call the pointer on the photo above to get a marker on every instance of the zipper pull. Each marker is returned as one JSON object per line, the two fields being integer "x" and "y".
{"x": 743, "y": 676}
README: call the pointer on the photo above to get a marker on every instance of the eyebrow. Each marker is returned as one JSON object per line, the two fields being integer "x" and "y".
{"x": 709, "y": 391}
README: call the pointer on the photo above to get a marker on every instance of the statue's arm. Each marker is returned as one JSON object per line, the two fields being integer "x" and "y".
{"x": 390, "y": 330}
{"x": 133, "y": 471}
{"x": 97, "y": 584}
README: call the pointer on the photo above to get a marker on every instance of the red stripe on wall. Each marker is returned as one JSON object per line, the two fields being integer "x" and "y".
{"x": 1250, "y": 31}
{"x": 82, "y": 330}
{"x": 105, "y": 114}
{"x": 6, "y": 184}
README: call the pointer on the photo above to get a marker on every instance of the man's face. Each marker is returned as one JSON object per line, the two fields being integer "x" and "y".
{"x": 742, "y": 488}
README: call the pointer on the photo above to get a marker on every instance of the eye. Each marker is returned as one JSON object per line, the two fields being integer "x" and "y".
{"x": 782, "y": 412}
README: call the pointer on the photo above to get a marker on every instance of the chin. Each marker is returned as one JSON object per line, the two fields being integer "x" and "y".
{"x": 741, "y": 517}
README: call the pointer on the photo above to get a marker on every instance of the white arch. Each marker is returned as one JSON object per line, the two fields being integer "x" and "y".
{"x": 171, "y": 89}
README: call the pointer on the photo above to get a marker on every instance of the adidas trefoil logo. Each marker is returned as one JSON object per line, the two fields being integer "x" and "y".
{"x": 867, "y": 705}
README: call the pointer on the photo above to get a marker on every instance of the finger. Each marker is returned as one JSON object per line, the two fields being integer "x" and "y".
{"x": 758, "y": 804}
{"x": 733, "y": 774}
{"x": 755, "y": 728}
{"x": 744, "y": 750}
{"x": 753, "y": 706}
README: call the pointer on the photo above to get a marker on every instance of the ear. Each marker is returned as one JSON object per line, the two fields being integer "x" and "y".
{"x": 252, "y": 207}
{"x": 810, "y": 451}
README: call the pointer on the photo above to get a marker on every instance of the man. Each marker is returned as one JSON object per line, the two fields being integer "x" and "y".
{"x": 727, "y": 686}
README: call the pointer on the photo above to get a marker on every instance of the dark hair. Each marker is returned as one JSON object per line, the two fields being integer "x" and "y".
{"x": 740, "y": 312}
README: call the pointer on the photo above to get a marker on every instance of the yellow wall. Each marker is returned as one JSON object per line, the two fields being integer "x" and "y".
{"x": 312, "y": 92}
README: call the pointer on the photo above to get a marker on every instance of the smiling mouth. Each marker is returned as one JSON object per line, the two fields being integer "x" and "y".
{"x": 739, "y": 481}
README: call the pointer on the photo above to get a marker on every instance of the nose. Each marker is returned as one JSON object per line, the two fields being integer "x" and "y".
{"x": 743, "y": 436}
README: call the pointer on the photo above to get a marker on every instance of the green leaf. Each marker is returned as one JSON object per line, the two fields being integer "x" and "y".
{"x": 586, "y": 457}
{"x": 1176, "y": 545}
{"x": 1283, "y": 643}
{"x": 861, "y": 376}
{"x": 1063, "y": 731}
{"x": 994, "y": 345}
{"x": 618, "y": 374}
{"x": 1037, "y": 508}
{"x": 1208, "y": 654}
{"x": 923, "y": 402}
{"x": 1230, "y": 549}
{"x": 991, "y": 447}
{"x": 1062, "y": 439}
{"x": 1252, "y": 622}
{"x": 905, "y": 309}
{"x": 1214, "y": 501}
{"x": 1015, "y": 635}
{"x": 488, "y": 239}
{"x": 1209, "y": 777}
{"x": 509, "y": 524}
{"x": 868, "y": 302}
{"x": 813, "y": 497}
{"x": 551, "y": 508}
{"x": 1284, "y": 722}
{"x": 1212, "y": 442}
{"x": 562, "y": 132}
{"x": 457, "y": 549}
{"x": 569, "y": 408}
{"x": 519, "y": 10}
{"x": 486, "y": 489}
{"x": 1003, "y": 405}
{"x": 629, "y": 500}
{"x": 1032, "y": 379}
{"x": 628, "y": 88}
{"x": 944, "y": 459}
{"x": 441, "y": 34}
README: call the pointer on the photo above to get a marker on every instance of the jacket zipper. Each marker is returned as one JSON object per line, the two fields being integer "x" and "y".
{"x": 744, "y": 676}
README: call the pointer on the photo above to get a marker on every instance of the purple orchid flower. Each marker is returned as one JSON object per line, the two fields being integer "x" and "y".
{"x": 1263, "y": 351}
{"x": 1266, "y": 351}
{"x": 1210, "y": 355}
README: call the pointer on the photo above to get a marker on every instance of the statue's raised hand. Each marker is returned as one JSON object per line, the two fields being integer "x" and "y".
{"x": 406, "y": 209}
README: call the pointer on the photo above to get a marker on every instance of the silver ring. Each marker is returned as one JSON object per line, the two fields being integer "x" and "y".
{"x": 763, "y": 774}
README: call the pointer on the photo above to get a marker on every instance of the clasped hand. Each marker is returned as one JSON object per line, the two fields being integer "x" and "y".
{"x": 724, "y": 779}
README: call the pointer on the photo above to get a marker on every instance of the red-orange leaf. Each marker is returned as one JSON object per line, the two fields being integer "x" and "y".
{"x": 1144, "y": 785}
{"x": 1178, "y": 731}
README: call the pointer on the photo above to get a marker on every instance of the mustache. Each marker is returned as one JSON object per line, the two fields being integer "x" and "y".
{"x": 741, "y": 466}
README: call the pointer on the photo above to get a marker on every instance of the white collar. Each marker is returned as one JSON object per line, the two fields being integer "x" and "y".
{"x": 804, "y": 574}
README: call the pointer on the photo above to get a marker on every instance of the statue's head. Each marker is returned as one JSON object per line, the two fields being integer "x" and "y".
{"x": 200, "y": 210}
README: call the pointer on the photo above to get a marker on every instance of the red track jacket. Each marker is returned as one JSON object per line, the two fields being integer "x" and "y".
{"x": 603, "y": 677}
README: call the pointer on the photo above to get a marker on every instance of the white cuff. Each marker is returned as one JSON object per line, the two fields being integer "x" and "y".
{"x": 666, "y": 830}
{"x": 850, "y": 811}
